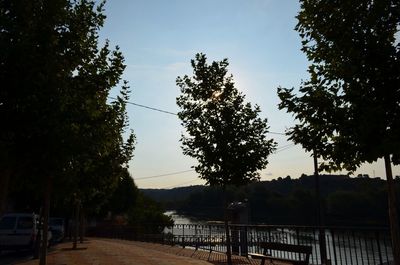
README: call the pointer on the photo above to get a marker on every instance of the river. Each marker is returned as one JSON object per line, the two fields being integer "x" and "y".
{"x": 345, "y": 247}
{"x": 182, "y": 219}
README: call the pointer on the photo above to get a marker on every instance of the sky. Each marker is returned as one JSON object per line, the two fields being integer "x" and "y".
{"x": 159, "y": 38}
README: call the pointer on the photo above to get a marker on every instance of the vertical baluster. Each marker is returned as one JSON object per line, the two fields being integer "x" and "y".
{"x": 355, "y": 246}
{"x": 361, "y": 250}
{"x": 209, "y": 228}
{"x": 344, "y": 247}
{"x": 373, "y": 251}
{"x": 298, "y": 241}
{"x": 316, "y": 257}
{"x": 339, "y": 249}
{"x": 196, "y": 237}
{"x": 348, "y": 241}
{"x": 366, "y": 248}
{"x": 334, "y": 246}
{"x": 379, "y": 246}
{"x": 328, "y": 245}
{"x": 183, "y": 236}
{"x": 386, "y": 248}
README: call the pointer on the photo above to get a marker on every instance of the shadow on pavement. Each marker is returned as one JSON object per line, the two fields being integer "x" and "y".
{"x": 13, "y": 257}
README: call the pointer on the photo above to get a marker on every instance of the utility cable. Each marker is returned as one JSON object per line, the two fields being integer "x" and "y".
{"x": 147, "y": 107}
{"x": 278, "y": 133}
{"x": 279, "y": 149}
{"x": 284, "y": 148}
{"x": 163, "y": 175}
{"x": 180, "y": 184}
{"x": 171, "y": 113}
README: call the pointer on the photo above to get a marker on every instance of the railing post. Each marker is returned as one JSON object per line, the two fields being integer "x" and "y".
{"x": 173, "y": 236}
{"x": 209, "y": 227}
{"x": 334, "y": 246}
{"x": 235, "y": 239}
{"x": 244, "y": 246}
{"x": 183, "y": 236}
{"x": 196, "y": 237}
{"x": 298, "y": 241}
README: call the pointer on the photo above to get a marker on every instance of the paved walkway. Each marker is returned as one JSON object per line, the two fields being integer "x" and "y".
{"x": 113, "y": 252}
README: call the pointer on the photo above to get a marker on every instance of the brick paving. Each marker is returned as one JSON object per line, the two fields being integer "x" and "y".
{"x": 114, "y": 251}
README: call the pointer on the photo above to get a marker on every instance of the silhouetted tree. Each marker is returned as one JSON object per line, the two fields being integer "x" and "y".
{"x": 315, "y": 111}
{"x": 53, "y": 101}
{"x": 354, "y": 73}
{"x": 95, "y": 168}
{"x": 124, "y": 196}
{"x": 224, "y": 133}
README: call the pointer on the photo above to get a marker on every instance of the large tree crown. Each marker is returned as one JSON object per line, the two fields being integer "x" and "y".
{"x": 348, "y": 111}
{"x": 225, "y": 134}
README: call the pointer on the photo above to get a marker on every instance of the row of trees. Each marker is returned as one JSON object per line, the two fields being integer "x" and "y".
{"x": 60, "y": 134}
{"x": 347, "y": 112}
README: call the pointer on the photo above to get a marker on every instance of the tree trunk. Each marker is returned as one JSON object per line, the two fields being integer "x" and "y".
{"x": 227, "y": 234}
{"x": 45, "y": 227}
{"x": 76, "y": 225}
{"x": 81, "y": 225}
{"x": 36, "y": 247}
{"x": 393, "y": 218}
{"x": 320, "y": 216}
{"x": 4, "y": 183}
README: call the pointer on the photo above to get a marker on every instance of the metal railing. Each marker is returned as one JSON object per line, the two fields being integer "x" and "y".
{"x": 344, "y": 245}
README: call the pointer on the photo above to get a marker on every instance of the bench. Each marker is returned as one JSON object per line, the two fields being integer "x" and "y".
{"x": 294, "y": 254}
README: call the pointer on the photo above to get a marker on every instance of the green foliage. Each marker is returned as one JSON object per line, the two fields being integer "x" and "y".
{"x": 354, "y": 89}
{"x": 124, "y": 197}
{"x": 61, "y": 133}
{"x": 224, "y": 133}
{"x": 319, "y": 111}
{"x": 147, "y": 216}
{"x": 142, "y": 213}
{"x": 355, "y": 67}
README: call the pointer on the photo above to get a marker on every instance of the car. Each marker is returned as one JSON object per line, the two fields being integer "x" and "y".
{"x": 57, "y": 226}
{"x": 20, "y": 231}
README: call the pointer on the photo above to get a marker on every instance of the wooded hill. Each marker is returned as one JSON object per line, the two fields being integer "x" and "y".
{"x": 347, "y": 201}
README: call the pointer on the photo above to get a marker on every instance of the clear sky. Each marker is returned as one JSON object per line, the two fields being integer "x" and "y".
{"x": 159, "y": 38}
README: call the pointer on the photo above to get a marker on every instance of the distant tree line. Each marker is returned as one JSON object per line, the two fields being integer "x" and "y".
{"x": 347, "y": 201}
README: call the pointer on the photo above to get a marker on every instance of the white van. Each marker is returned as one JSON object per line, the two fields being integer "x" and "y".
{"x": 19, "y": 231}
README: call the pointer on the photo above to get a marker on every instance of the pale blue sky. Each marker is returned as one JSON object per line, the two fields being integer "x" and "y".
{"x": 159, "y": 38}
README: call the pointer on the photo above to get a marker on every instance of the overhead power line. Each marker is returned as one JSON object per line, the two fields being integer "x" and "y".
{"x": 278, "y": 133}
{"x": 172, "y": 113}
{"x": 147, "y": 107}
{"x": 163, "y": 175}
{"x": 279, "y": 149}
{"x": 180, "y": 184}
{"x": 284, "y": 148}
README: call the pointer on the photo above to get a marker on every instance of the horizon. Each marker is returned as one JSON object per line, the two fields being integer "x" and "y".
{"x": 363, "y": 176}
